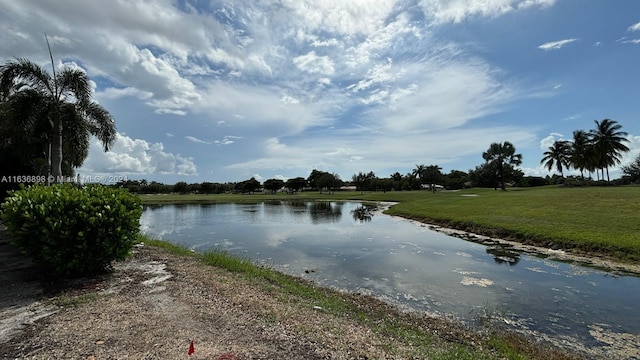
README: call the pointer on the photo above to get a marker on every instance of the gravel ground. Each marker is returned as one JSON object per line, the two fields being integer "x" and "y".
{"x": 151, "y": 307}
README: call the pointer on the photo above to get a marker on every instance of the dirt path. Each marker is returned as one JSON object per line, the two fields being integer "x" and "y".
{"x": 150, "y": 308}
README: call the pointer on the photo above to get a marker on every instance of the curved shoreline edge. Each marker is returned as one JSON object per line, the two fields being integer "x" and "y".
{"x": 589, "y": 259}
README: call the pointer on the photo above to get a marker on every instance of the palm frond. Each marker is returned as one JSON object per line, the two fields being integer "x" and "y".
{"x": 26, "y": 73}
{"x": 101, "y": 123}
{"x": 74, "y": 83}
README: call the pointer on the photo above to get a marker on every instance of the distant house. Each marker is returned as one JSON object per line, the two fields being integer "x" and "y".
{"x": 348, "y": 188}
{"x": 431, "y": 187}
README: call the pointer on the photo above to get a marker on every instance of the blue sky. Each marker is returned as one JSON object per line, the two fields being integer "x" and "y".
{"x": 223, "y": 91}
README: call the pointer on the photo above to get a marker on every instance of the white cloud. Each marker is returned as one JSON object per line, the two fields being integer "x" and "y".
{"x": 444, "y": 96}
{"x": 227, "y": 140}
{"x": 624, "y": 40}
{"x": 195, "y": 140}
{"x": 141, "y": 47}
{"x": 379, "y": 41}
{"x": 255, "y": 107}
{"x": 314, "y": 64}
{"x": 572, "y": 117}
{"x": 378, "y": 74}
{"x": 535, "y": 3}
{"x": 634, "y": 27}
{"x": 342, "y": 17}
{"x": 634, "y": 150}
{"x": 548, "y": 141}
{"x": 116, "y": 93}
{"x": 456, "y": 11}
{"x": 130, "y": 156}
{"x": 170, "y": 111}
{"x": 555, "y": 45}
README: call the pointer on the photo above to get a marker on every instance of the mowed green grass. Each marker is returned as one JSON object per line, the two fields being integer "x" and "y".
{"x": 595, "y": 219}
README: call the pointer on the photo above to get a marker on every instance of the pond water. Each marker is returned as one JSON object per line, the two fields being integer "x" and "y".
{"x": 347, "y": 246}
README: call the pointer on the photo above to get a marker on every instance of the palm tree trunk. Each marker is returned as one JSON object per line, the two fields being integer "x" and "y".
{"x": 48, "y": 157}
{"x": 56, "y": 152}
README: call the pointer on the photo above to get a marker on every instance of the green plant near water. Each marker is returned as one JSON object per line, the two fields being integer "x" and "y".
{"x": 71, "y": 230}
{"x": 487, "y": 314}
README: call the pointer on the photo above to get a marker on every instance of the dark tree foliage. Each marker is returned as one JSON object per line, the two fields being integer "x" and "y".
{"x": 55, "y": 112}
{"x": 456, "y": 180}
{"x": 501, "y": 158}
{"x": 429, "y": 175}
{"x": 181, "y": 187}
{"x": 558, "y": 155}
{"x": 632, "y": 171}
{"x": 608, "y": 141}
{"x": 328, "y": 181}
{"x": 247, "y": 186}
{"x": 364, "y": 181}
{"x": 532, "y": 181}
{"x": 296, "y": 184}
{"x": 273, "y": 185}
{"x": 484, "y": 176}
{"x": 312, "y": 180}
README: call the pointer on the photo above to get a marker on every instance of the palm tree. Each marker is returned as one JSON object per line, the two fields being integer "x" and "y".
{"x": 580, "y": 148}
{"x": 608, "y": 142}
{"x": 428, "y": 174}
{"x": 419, "y": 171}
{"x": 559, "y": 154}
{"x": 22, "y": 137}
{"x": 67, "y": 99}
{"x": 502, "y": 157}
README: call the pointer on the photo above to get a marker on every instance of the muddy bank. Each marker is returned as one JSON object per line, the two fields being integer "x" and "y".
{"x": 536, "y": 247}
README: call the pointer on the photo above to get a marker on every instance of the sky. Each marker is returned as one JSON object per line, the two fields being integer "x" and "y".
{"x": 223, "y": 91}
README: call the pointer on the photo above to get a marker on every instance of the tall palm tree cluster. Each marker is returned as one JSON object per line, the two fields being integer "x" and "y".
{"x": 502, "y": 158}
{"x": 595, "y": 150}
{"x": 44, "y": 115}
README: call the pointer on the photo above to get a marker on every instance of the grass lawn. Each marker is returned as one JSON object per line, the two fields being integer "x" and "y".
{"x": 594, "y": 219}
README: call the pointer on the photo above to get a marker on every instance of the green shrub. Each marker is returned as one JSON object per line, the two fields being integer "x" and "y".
{"x": 70, "y": 230}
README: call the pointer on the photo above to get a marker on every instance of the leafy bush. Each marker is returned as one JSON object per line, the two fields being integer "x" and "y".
{"x": 72, "y": 231}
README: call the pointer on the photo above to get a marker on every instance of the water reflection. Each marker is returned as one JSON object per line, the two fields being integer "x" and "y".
{"x": 408, "y": 264}
{"x": 363, "y": 213}
{"x": 325, "y": 212}
{"x": 503, "y": 255}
